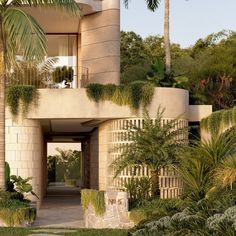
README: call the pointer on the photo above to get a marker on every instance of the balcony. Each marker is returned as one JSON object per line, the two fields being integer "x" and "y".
{"x": 49, "y": 78}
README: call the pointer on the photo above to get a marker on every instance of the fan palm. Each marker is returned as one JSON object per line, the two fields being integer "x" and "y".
{"x": 155, "y": 145}
{"x": 153, "y": 5}
{"x": 19, "y": 32}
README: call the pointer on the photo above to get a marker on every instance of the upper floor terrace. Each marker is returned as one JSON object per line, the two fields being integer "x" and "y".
{"x": 80, "y": 49}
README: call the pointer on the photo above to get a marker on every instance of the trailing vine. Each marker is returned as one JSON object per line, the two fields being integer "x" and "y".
{"x": 95, "y": 198}
{"x": 134, "y": 95}
{"x": 20, "y": 94}
{"x": 219, "y": 120}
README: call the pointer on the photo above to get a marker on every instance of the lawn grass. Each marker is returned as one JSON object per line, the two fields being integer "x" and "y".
{"x": 81, "y": 232}
{"x": 14, "y": 231}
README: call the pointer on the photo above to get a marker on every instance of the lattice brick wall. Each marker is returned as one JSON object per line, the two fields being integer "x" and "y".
{"x": 170, "y": 184}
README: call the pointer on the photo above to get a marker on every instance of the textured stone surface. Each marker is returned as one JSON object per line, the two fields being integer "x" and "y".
{"x": 116, "y": 215}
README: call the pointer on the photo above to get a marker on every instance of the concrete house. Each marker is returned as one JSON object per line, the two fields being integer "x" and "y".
{"x": 91, "y": 45}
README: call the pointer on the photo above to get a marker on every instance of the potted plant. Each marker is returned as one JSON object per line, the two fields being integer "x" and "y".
{"x": 64, "y": 73}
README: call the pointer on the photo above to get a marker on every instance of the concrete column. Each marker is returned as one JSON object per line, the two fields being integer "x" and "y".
{"x": 24, "y": 150}
{"x": 100, "y": 43}
{"x": 103, "y": 140}
{"x": 94, "y": 160}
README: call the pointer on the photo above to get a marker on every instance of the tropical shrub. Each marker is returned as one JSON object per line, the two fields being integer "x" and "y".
{"x": 138, "y": 190}
{"x": 154, "y": 209}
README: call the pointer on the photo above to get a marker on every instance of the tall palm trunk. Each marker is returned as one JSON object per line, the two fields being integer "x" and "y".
{"x": 167, "y": 37}
{"x": 2, "y": 114}
{"x": 155, "y": 188}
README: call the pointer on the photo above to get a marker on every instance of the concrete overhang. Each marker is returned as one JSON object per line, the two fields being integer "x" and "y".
{"x": 198, "y": 112}
{"x": 75, "y": 104}
{"x": 57, "y": 21}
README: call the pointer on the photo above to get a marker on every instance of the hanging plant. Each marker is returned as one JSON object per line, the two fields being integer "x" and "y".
{"x": 24, "y": 94}
{"x": 219, "y": 120}
{"x": 94, "y": 198}
{"x": 134, "y": 95}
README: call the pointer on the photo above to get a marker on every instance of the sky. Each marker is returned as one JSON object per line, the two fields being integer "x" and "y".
{"x": 189, "y": 19}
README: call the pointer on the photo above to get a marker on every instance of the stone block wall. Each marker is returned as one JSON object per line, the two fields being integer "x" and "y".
{"x": 24, "y": 150}
{"x": 116, "y": 215}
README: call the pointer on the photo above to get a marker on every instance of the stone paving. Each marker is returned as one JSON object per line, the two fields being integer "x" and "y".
{"x": 60, "y": 209}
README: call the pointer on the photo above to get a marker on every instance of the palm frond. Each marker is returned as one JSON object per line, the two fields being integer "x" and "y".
{"x": 151, "y": 4}
{"x": 69, "y": 6}
{"x": 24, "y": 35}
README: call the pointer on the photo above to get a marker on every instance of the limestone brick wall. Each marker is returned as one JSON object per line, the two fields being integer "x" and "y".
{"x": 24, "y": 150}
{"x": 100, "y": 44}
{"x": 103, "y": 140}
{"x": 116, "y": 215}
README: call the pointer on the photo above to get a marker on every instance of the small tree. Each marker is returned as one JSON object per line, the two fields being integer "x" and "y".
{"x": 157, "y": 144}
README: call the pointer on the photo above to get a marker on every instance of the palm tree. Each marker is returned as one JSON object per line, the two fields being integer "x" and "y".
{"x": 157, "y": 144}
{"x": 19, "y": 32}
{"x": 153, "y": 5}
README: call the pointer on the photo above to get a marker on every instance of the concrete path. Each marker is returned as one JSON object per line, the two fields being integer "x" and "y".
{"x": 61, "y": 209}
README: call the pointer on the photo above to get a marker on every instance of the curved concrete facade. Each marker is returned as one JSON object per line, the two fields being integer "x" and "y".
{"x": 75, "y": 104}
{"x": 100, "y": 44}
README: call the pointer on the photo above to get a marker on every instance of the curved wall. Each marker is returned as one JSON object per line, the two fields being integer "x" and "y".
{"x": 100, "y": 44}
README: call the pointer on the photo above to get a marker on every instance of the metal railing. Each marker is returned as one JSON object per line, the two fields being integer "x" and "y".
{"x": 60, "y": 77}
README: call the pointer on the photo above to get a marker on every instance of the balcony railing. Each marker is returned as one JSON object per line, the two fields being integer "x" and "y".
{"x": 63, "y": 77}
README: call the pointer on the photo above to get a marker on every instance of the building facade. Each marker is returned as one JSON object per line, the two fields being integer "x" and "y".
{"x": 91, "y": 46}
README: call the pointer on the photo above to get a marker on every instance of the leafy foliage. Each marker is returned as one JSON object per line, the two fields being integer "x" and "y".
{"x": 134, "y": 95}
{"x": 138, "y": 190}
{"x": 22, "y": 186}
{"x": 154, "y": 209}
{"x": 20, "y": 93}
{"x": 67, "y": 163}
{"x": 95, "y": 198}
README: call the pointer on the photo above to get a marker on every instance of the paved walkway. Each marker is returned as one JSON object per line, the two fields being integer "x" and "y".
{"x": 60, "y": 209}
